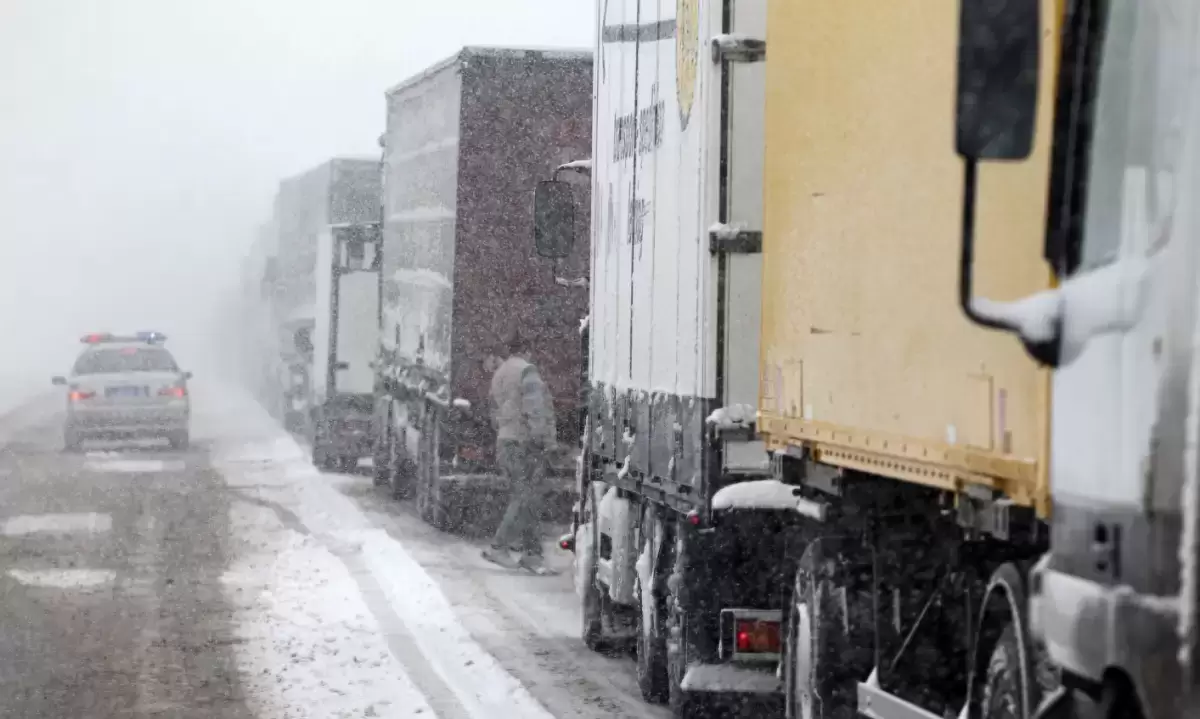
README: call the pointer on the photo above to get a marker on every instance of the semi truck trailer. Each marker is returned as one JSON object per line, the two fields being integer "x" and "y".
{"x": 810, "y": 485}
{"x": 328, "y": 293}
{"x": 464, "y": 142}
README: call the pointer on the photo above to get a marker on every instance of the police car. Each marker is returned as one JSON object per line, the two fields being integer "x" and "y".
{"x": 126, "y": 386}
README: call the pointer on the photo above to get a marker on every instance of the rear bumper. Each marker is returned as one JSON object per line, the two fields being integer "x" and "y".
{"x": 732, "y": 679}
{"x": 126, "y": 421}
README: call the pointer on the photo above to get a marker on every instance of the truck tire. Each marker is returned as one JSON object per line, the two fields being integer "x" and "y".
{"x": 321, "y": 458}
{"x": 820, "y": 674}
{"x": 429, "y": 496}
{"x": 1018, "y": 672}
{"x": 347, "y": 464}
{"x": 591, "y": 623}
{"x": 381, "y": 457}
{"x": 651, "y": 647}
{"x": 178, "y": 440}
{"x": 1002, "y": 691}
{"x": 684, "y": 704}
{"x": 400, "y": 469}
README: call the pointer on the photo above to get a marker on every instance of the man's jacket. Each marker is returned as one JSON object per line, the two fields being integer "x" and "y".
{"x": 522, "y": 408}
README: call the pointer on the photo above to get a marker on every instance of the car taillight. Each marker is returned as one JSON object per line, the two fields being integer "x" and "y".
{"x": 180, "y": 392}
{"x": 757, "y": 636}
{"x": 79, "y": 394}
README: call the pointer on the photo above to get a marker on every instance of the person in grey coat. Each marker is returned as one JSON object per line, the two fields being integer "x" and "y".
{"x": 523, "y": 416}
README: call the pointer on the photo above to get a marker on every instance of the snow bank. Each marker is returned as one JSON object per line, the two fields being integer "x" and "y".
{"x": 337, "y": 617}
{"x": 308, "y": 644}
{"x": 481, "y": 685}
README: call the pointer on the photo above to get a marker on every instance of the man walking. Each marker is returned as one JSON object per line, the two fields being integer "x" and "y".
{"x": 523, "y": 416}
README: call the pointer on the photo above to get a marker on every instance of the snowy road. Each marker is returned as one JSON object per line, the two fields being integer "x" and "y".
{"x": 234, "y": 580}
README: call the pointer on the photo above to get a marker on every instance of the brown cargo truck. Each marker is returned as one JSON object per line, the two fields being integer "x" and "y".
{"x": 465, "y": 140}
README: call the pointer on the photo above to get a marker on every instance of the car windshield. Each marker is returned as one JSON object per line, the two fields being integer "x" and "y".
{"x": 125, "y": 359}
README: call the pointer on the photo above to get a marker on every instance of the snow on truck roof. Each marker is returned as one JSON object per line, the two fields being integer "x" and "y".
{"x": 548, "y": 53}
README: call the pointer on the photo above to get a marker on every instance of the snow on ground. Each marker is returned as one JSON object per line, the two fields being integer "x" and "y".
{"x": 310, "y": 646}
{"x": 338, "y": 619}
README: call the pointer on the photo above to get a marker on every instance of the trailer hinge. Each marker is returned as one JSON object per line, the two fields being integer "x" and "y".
{"x": 738, "y": 48}
{"x": 723, "y": 238}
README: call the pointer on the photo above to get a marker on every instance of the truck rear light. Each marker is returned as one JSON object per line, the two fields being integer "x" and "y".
{"x": 757, "y": 636}
{"x": 79, "y": 395}
{"x": 567, "y": 542}
{"x": 179, "y": 392}
{"x": 751, "y": 635}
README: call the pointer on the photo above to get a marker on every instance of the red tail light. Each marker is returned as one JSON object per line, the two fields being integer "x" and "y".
{"x": 179, "y": 392}
{"x": 756, "y": 636}
{"x": 567, "y": 542}
{"x": 78, "y": 395}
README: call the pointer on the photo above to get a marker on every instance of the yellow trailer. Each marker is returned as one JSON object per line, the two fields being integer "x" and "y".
{"x": 867, "y": 361}
{"x": 919, "y": 440}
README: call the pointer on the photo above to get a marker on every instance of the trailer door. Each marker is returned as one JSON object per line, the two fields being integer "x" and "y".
{"x": 355, "y": 315}
{"x": 742, "y": 146}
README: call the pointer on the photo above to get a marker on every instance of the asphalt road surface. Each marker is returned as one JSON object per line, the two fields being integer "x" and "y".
{"x": 109, "y": 599}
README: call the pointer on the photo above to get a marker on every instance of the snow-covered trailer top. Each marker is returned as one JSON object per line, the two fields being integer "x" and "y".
{"x": 466, "y": 142}
{"x": 868, "y": 362}
{"x": 339, "y": 190}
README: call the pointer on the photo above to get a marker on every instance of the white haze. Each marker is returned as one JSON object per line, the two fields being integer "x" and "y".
{"x": 141, "y": 141}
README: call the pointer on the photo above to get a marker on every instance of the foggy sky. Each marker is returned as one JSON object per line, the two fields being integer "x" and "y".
{"x": 141, "y": 141}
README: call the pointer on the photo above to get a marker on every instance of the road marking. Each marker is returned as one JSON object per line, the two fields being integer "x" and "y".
{"x": 63, "y": 578}
{"x": 23, "y": 524}
{"x": 134, "y": 466}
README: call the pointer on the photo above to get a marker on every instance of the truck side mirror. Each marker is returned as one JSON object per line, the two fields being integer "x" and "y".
{"x": 553, "y": 219}
{"x": 999, "y": 58}
{"x": 998, "y": 64}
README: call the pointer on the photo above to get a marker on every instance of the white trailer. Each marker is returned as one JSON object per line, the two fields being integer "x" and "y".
{"x": 676, "y": 179}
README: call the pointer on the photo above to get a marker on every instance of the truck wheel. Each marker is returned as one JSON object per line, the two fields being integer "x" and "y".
{"x": 321, "y": 457}
{"x": 651, "y": 648}
{"x": 1002, "y": 694}
{"x": 1019, "y": 672}
{"x": 347, "y": 465}
{"x": 591, "y": 602}
{"x": 684, "y": 704}
{"x": 178, "y": 440}
{"x": 820, "y": 671}
{"x": 591, "y": 625}
{"x": 429, "y": 496}
{"x": 381, "y": 459}
{"x": 400, "y": 469}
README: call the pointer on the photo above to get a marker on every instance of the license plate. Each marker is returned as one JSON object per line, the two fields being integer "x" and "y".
{"x": 124, "y": 392}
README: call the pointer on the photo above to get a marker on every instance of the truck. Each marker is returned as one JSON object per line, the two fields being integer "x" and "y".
{"x": 1113, "y": 602}
{"x": 811, "y": 484}
{"x": 328, "y": 266}
{"x": 676, "y": 180}
{"x": 464, "y": 141}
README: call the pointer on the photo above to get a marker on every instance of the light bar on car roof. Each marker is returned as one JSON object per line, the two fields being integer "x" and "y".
{"x": 147, "y": 337}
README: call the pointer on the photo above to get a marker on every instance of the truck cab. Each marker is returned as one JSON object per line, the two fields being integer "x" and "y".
{"x": 1113, "y": 601}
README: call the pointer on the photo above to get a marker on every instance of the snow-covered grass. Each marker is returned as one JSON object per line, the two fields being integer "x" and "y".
{"x": 337, "y": 618}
